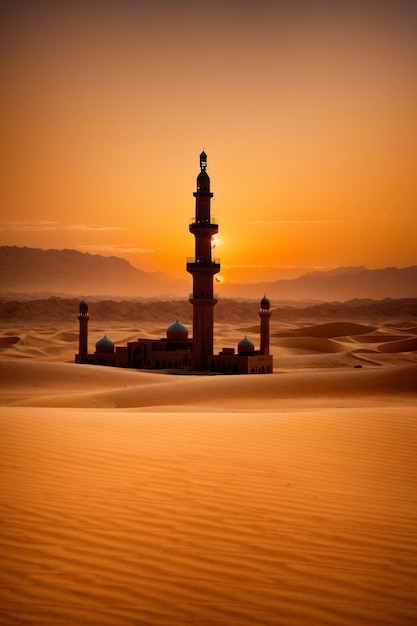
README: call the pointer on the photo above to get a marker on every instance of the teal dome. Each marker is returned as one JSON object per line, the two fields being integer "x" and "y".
{"x": 245, "y": 346}
{"x": 265, "y": 304}
{"x": 105, "y": 345}
{"x": 83, "y": 306}
{"x": 177, "y": 332}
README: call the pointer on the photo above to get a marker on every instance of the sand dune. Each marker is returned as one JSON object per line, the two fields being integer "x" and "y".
{"x": 376, "y": 338}
{"x": 8, "y": 341}
{"x": 44, "y": 384}
{"x": 310, "y": 344}
{"x": 145, "y": 498}
{"x": 406, "y": 345}
{"x": 333, "y": 329}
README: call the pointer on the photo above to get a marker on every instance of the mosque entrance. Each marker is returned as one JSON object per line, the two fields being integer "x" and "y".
{"x": 137, "y": 358}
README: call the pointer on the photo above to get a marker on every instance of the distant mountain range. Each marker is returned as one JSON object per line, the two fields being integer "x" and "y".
{"x": 69, "y": 272}
{"x": 32, "y": 271}
{"x": 342, "y": 284}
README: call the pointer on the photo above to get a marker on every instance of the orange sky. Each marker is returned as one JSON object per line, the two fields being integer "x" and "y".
{"x": 307, "y": 111}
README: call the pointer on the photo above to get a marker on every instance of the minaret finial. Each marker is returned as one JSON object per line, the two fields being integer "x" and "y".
{"x": 203, "y": 160}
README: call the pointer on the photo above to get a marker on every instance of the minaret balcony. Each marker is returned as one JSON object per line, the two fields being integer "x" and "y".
{"x": 197, "y": 266}
{"x": 208, "y": 227}
{"x": 201, "y": 193}
{"x": 204, "y": 223}
{"x": 204, "y": 300}
{"x": 191, "y": 296}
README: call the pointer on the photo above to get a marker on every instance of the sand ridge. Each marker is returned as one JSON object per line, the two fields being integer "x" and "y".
{"x": 70, "y": 385}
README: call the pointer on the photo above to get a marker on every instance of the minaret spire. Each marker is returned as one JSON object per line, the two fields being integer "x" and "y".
{"x": 265, "y": 314}
{"x": 83, "y": 333}
{"x": 202, "y": 268}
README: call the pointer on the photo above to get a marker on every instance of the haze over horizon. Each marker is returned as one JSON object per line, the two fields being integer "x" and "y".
{"x": 305, "y": 109}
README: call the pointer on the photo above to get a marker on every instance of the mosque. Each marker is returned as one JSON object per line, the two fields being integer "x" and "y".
{"x": 177, "y": 351}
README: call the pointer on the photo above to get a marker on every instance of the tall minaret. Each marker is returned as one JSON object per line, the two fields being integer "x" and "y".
{"x": 265, "y": 314}
{"x": 203, "y": 267}
{"x": 83, "y": 336}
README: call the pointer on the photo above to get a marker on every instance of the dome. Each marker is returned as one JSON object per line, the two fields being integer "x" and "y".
{"x": 203, "y": 181}
{"x": 265, "y": 304}
{"x": 83, "y": 306}
{"x": 245, "y": 346}
{"x": 177, "y": 332}
{"x": 203, "y": 176}
{"x": 105, "y": 345}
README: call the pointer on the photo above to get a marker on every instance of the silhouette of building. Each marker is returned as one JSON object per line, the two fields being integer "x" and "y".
{"x": 176, "y": 350}
{"x": 202, "y": 268}
{"x": 83, "y": 332}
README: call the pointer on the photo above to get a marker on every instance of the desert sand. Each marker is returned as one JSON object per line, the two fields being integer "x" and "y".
{"x": 147, "y": 498}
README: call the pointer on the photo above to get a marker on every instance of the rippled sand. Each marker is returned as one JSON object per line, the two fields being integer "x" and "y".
{"x": 132, "y": 498}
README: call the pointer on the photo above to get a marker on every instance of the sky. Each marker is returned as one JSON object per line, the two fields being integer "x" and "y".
{"x": 307, "y": 112}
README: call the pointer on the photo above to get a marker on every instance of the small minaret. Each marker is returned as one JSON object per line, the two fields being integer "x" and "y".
{"x": 265, "y": 314}
{"x": 203, "y": 267}
{"x": 83, "y": 335}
